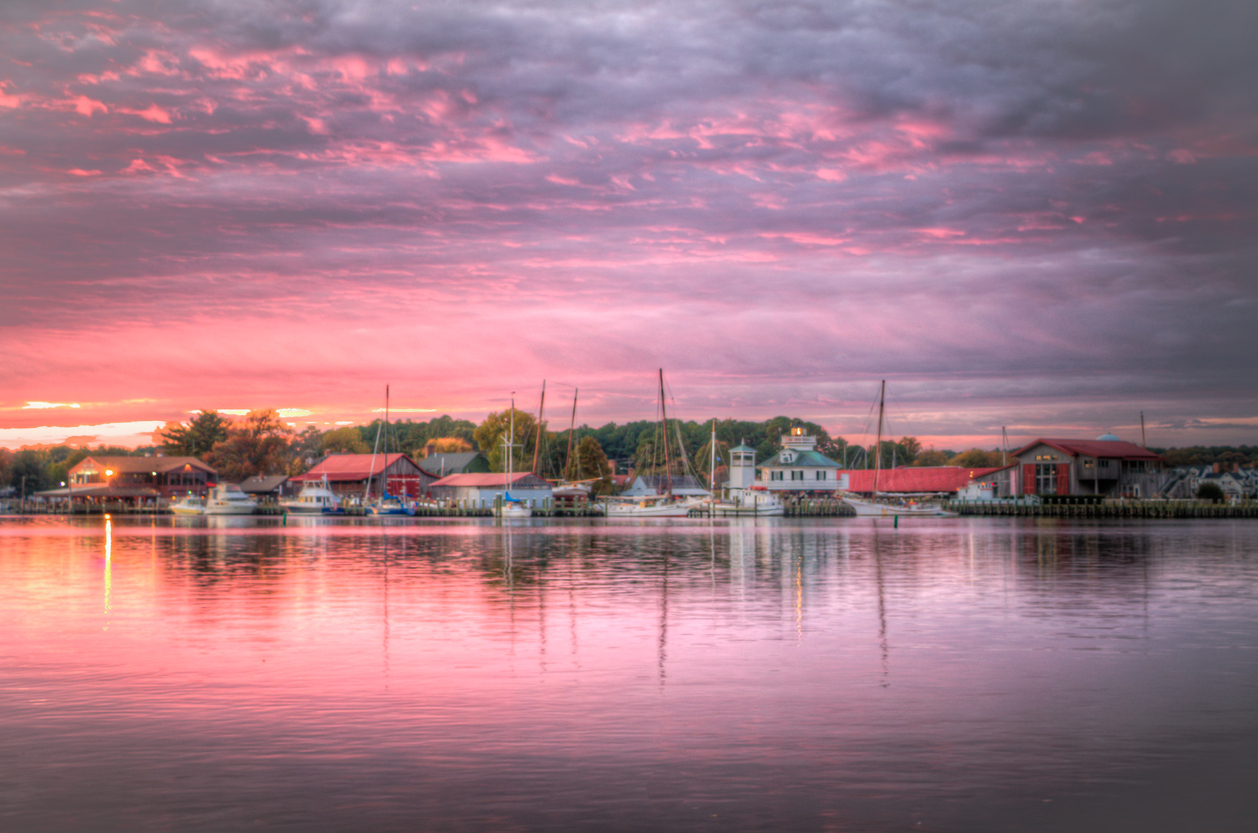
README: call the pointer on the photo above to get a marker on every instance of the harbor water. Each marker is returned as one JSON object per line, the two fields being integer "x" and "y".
{"x": 967, "y": 674}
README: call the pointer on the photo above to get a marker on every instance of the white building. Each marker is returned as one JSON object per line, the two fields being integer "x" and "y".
{"x": 799, "y": 468}
{"x": 478, "y": 491}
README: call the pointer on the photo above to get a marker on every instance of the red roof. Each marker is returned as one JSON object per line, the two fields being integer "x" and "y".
{"x": 491, "y": 480}
{"x": 341, "y": 467}
{"x": 1113, "y": 449}
{"x": 915, "y": 479}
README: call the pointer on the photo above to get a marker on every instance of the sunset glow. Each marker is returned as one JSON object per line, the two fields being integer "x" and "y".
{"x": 1032, "y": 216}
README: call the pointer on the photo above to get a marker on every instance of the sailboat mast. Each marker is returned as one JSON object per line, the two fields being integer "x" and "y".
{"x": 712, "y": 461}
{"x": 384, "y": 473}
{"x": 537, "y": 442}
{"x": 668, "y": 460}
{"x": 572, "y": 428}
{"x": 1143, "y": 443}
{"x": 882, "y": 396}
{"x": 511, "y": 441}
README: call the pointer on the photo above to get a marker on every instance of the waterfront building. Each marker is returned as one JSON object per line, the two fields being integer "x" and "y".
{"x": 135, "y": 480}
{"x": 267, "y": 487}
{"x": 799, "y": 468}
{"x": 1106, "y": 466}
{"x": 436, "y": 465}
{"x": 478, "y": 490}
{"x": 937, "y": 480}
{"x": 347, "y": 474}
{"x": 682, "y": 485}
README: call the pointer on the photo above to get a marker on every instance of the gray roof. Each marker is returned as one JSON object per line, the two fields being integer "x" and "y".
{"x": 262, "y": 485}
{"x": 457, "y": 462}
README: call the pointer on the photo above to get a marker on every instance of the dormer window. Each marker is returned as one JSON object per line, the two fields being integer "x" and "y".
{"x": 788, "y": 456}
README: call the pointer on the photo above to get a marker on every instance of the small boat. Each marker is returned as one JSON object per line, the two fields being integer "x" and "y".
{"x": 190, "y": 505}
{"x": 653, "y": 506}
{"x": 749, "y": 502}
{"x": 315, "y": 498}
{"x": 886, "y": 506}
{"x": 510, "y": 507}
{"x": 386, "y": 504}
{"x": 892, "y": 507}
{"x": 228, "y": 499}
{"x": 391, "y": 505}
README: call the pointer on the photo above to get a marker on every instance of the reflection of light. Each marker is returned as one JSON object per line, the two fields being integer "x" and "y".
{"x": 109, "y": 546}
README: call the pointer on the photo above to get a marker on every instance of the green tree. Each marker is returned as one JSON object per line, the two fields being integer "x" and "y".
{"x": 347, "y": 440}
{"x": 196, "y": 438}
{"x": 589, "y": 462}
{"x": 703, "y": 458}
{"x": 931, "y": 457}
{"x": 33, "y": 465}
{"x": 491, "y": 434}
{"x": 306, "y": 448}
{"x": 259, "y": 445}
{"x": 976, "y": 458}
{"x": 1212, "y": 492}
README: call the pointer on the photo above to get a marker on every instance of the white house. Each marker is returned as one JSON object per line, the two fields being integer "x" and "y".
{"x": 478, "y": 491}
{"x": 800, "y": 468}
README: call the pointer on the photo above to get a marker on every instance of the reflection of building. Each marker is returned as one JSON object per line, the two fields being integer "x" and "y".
{"x": 800, "y": 468}
{"x": 479, "y": 490}
{"x": 1105, "y": 466}
{"x": 347, "y": 474}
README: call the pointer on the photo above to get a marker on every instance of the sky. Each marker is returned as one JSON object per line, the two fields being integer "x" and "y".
{"x": 1036, "y": 215}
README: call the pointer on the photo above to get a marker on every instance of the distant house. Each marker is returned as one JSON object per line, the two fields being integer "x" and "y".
{"x": 799, "y": 468}
{"x": 135, "y": 479}
{"x": 682, "y": 485}
{"x": 437, "y": 465}
{"x": 1106, "y": 466}
{"x": 347, "y": 474}
{"x": 478, "y": 490}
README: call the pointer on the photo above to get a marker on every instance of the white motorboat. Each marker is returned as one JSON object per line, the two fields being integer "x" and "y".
{"x": 653, "y": 506}
{"x": 228, "y": 499}
{"x": 190, "y": 505}
{"x": 315, "y": 498}
{"x": 749, "y": 502}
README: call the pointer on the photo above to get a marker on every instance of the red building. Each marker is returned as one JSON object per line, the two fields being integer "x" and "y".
{"x": 1106, "y": 466}
{"x": 347, "y": 474}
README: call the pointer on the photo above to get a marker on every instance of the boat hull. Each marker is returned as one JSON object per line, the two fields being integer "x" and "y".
{"x": 679, "y": 509}
{"x": 873, "y": 509}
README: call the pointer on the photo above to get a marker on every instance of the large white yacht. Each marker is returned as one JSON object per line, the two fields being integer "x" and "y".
{"x": 315, "y": 498}
{"x": 228, "y": 499}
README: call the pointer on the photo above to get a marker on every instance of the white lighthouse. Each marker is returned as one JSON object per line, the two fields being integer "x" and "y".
{"x": 742, "y": 467}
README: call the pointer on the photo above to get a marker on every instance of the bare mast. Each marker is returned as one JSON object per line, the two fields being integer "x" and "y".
{"x": 572, "y": 428}
{"x": 537, "y": 441}
{"x": 668, "y": 460}
{"x": 882, "y": 396}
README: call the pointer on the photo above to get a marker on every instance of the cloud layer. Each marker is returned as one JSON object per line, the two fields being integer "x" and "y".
{"x": 1026, "y": 213}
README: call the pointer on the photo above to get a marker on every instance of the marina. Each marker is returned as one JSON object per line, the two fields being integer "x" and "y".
{"x": 359, "y": 673}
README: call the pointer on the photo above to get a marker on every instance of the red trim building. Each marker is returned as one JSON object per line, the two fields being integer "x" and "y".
{"x": 347, "y": 474}
{"x": 915, "y": 479}
{"x": 1108, "y": 467}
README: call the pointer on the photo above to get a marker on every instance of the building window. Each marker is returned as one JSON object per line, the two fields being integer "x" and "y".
{"x": 1045, "y": 479}
{"x": 821, "y": 475}
{"x": 775, "y": 475}
{"x": 797, "y": 475}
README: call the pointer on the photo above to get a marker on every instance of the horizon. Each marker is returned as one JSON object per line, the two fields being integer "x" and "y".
{"x": 1036, "y": 217}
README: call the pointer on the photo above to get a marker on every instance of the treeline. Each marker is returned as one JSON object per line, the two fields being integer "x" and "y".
{"x": 263, "y": 443}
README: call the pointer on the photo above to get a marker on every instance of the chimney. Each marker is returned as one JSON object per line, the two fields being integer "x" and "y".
{"x": 430, "y": 448}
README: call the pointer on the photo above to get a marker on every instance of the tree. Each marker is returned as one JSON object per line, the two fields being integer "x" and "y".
{"x": 491, "y": 433}
{"x": 931, "y": 457}
{"x": 590, "y": 462}
{"x": 703, "y": 457}
{"x": 32, "y": 465}
{"x": 347, "y": 440}
{"x": 1211, "y": 492}
{"x": 259, "y": 445}
{"x": 909, "y": 448}
{"x": 195, "y": 439}
{"x": 976, "y": 458}
{"x": 445, "y": 445}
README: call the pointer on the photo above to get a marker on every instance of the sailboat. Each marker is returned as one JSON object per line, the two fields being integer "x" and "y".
{"x": 386, "y": 504}
{"x": 891, "y": 507}
{"x": 511, "y": 507}
{"x": 666, "y": 505}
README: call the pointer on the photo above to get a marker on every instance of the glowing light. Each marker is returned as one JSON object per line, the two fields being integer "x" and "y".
{"x": 109, "y": 473}
{"x": 39, "y": 406}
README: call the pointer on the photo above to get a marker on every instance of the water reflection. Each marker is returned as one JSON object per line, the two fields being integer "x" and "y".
{"x": 770, "y": 674}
